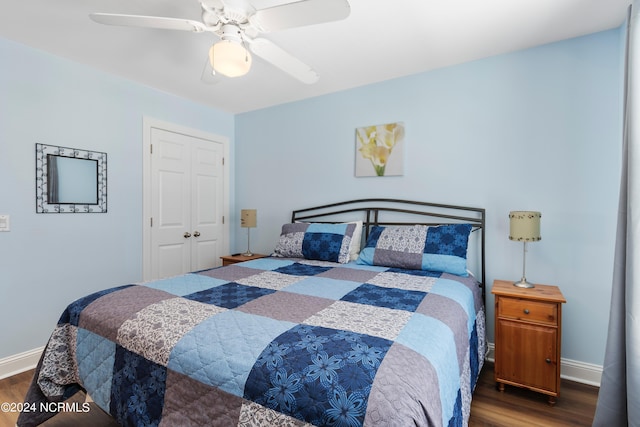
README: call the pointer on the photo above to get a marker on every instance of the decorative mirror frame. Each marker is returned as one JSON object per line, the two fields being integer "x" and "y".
{"x": 42, "y": 202}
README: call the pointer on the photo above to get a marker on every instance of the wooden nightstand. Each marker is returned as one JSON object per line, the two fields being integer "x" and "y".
{"x": 528, "y": 332}
{"x": 233, "y": 259}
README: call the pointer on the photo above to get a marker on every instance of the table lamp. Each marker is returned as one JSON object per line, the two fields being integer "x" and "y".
{"x": 524, "y": 226}
{"x": 248, "y": 220}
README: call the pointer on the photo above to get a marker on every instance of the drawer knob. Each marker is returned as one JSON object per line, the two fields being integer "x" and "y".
{"x": 547, "y": 360}
{"x": 526, "y": 311}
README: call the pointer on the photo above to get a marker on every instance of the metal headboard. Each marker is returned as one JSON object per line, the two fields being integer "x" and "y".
{"x": 386, "y": 212}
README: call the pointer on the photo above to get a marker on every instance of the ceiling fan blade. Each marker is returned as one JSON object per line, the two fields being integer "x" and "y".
{"x": 283, "y": 60}
{"x": 148, "y": 22}
{"x": 300, "y": 13}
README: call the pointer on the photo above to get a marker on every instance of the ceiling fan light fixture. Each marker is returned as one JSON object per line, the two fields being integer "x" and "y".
{"x": 230, "y": 58}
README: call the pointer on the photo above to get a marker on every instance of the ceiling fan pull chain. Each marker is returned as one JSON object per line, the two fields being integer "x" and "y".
{"x": 246, "y": 50}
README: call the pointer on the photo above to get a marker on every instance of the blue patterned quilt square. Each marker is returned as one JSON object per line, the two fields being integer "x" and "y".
{"x": 137, "y": 392}
{"x": 298, "y": 269}
{"x": 379, "y": 296}
{"x": 229, "y": 295}
{"x": 295, "y": 374}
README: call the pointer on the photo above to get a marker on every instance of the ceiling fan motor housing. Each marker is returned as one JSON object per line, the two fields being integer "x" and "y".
{"x": 231, "y": 32}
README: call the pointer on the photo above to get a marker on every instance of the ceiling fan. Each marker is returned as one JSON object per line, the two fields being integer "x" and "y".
{"x": 237, "y": 24}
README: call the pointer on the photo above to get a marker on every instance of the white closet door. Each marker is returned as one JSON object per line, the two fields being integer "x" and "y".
{"x": 186, "y": 203}
{"x": 207, "y": 202}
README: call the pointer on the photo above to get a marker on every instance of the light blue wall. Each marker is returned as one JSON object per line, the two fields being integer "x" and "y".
{"x": 538, "y": 129}
{"x": 47, "y": 261}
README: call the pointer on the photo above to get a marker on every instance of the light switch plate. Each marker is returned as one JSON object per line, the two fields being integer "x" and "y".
{"x": 4, "y": 223}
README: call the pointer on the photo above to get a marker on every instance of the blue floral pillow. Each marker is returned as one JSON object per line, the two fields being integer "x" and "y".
{"x": 323, "y": 242}
{"x": 442, "y": 248}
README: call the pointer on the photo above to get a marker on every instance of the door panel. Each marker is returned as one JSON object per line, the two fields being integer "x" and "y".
{"x": 170, "y": 260}
{"x": 170, "y": 251}
{"x": 207, "y": 203}
{"x": 172, "y": 186}
{"x": 203, "y": 252}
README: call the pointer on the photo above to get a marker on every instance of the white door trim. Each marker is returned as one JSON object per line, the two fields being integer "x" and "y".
{"x": 147, "y": 124}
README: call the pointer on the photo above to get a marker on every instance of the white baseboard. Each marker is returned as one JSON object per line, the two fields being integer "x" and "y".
{"x": 581, "y": 372}
{"x": 19, "y": 363}
{"x": 572, "y": 370}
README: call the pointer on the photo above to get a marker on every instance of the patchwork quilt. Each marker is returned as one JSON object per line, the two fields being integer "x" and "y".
{"x": 272, "y": 342}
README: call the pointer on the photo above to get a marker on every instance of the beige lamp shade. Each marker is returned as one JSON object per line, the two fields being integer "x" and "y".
{"x": 248, "y": 218}
{"x": 524, "y": 226}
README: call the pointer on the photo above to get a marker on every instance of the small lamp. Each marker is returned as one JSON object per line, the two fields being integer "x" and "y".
{"x": 248, "y": 220}
{"x": 524, "y": 226}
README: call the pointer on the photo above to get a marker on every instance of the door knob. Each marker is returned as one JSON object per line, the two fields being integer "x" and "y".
{"x": 187, "y": 234}
{"x": 196, "y": 233}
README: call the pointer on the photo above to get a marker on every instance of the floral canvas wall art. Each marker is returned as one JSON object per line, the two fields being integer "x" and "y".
{"x": 380, "y": 150}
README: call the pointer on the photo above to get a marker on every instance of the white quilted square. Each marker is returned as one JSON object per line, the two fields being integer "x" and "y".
{"x": 270, "y": 280}
{"x": 155, "y": 329}
{"x": 365, "y": 319}
{"x": 403, "y": 281}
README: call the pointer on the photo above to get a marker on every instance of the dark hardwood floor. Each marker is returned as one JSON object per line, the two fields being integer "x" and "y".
{"x": 512, "y": 408}
{"x": 515, "y": 406}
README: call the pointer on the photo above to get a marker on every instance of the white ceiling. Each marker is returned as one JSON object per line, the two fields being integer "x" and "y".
{"x": 380, "y": 40}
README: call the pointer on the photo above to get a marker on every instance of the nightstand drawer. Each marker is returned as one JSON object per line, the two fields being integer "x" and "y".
{"x": 532, "y": 311}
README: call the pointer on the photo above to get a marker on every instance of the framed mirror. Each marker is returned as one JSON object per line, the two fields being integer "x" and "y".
{"x": 69, "y": 180}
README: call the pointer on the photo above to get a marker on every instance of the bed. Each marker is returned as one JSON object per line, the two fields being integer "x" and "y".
{"x": 365, "y": 314}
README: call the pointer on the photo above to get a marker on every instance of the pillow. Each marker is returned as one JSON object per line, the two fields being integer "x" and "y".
{"x": 323, "y": 242}
{"x": 356, "y": 241}
{"x": 419, "y": 247}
